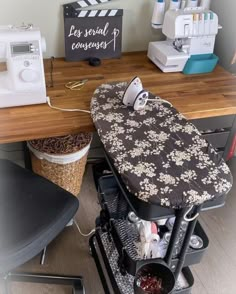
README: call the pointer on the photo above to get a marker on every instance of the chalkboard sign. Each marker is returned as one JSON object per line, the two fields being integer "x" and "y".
{"x": 92, "y": 33}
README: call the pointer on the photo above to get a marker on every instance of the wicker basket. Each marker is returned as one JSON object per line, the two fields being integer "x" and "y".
{"x": 66, "y": 169}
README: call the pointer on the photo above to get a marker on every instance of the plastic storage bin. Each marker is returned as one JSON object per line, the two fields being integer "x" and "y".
{"x": 201, "y": 63}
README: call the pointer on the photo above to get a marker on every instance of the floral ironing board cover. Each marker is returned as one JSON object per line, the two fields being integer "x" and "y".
{"x": 161, "y": 157}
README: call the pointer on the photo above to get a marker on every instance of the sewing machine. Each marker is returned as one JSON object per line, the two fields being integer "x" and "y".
{"x": 22, "y": 79}
{"x": 189, "y": 32}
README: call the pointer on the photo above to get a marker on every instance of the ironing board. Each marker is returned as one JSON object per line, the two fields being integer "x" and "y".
{"x": 161, "y": 157}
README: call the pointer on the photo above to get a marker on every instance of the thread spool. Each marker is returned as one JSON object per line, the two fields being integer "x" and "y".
{"x": 205, "y": 4}
{"x": 192, "y": 3}
{"x": 183, "y": 4}
{"x": 174, "y": 4}
{"x": 158, "y": 13}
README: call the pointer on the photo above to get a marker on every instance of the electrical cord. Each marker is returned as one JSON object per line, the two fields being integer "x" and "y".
{"x": 161, "y": 100}
{"x": 65, "y": 109}
{"x": 83, "y": 234}
{"x": 87, "y": 111}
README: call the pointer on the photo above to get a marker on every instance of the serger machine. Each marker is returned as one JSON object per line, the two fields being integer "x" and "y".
{"x": 22, "y": 79}
{"x": 191, "y": 34}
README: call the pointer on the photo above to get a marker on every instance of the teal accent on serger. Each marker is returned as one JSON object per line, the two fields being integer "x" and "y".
{"x": 200, "y": 63}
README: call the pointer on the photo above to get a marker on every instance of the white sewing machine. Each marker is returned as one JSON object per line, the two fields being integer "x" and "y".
{"x": 189, "y": 31}
{"x": 22, "y": 79}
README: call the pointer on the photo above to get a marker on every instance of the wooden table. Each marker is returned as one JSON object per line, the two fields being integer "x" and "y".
{"x": 196, "y": 96}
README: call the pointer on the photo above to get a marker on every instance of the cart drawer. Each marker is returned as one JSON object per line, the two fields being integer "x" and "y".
{"x": 218, "y": 140}
{"x": 214, "y": 123}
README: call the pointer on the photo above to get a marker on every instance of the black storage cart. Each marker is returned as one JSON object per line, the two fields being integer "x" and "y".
{"x": 160, "y": 167}
{"x": 112, "y": 245}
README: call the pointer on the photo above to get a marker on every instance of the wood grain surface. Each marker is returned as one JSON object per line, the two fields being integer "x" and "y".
{"x": 196, "y": 96}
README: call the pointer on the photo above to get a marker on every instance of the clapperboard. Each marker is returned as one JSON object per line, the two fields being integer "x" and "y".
{"x": 92, "y": 33}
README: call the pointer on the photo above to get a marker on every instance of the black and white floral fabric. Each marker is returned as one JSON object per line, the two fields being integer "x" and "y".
{"x": 161, "y": 157}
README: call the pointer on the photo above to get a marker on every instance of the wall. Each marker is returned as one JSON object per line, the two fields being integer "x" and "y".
{"x": 226, "y": 39}
{"x": 47, "y": 14}
{"x": 137, "y": 31}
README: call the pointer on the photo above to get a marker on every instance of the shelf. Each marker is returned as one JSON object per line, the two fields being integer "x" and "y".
{"x": 106, "y": 257}
{"x": 149, "y": 211}
{"x": 109, "y": 186}
{"x": 126, "y": 234}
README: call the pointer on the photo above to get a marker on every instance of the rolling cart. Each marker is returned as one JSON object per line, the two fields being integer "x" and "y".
{"x": 120, "y": 192}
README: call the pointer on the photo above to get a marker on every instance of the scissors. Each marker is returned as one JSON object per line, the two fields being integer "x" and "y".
{"x": 76, "y": 85}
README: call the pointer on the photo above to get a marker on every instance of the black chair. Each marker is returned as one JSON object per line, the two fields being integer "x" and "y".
{"x": 33, "y": 211}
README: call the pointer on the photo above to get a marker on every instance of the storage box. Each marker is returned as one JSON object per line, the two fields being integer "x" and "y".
{"x": 202, "y": 63}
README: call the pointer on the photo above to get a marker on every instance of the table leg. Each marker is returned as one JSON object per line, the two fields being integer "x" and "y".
{"x": 27, "y": 158}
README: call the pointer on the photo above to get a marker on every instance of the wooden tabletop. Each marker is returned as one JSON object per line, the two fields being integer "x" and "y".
{"x": 196, "y": 96}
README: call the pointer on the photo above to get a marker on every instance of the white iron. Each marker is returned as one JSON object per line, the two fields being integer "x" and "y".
{"x": 135, "y": 95}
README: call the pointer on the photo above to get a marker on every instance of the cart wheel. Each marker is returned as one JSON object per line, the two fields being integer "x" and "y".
{"x": 78, "y": 288}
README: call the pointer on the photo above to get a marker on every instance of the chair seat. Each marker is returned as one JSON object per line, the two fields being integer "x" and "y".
{"x": 33, "y": 211}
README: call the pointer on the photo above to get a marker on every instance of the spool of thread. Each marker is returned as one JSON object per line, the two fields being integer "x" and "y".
{"x": 154, "y": 228}
{"x": 205, "y": 4}
{"x": 174, "y": 4}
{"x": 192, "y": 3}
{"x": 162, "y": 222}
{"x": 183, "y": 4}
{"x": 158, "y": 13}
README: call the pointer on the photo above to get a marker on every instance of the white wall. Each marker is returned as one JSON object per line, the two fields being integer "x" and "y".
{"x": 226, "y": 39}
{"x": 137, "y": 31}
{"x": 47, "y": 14}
